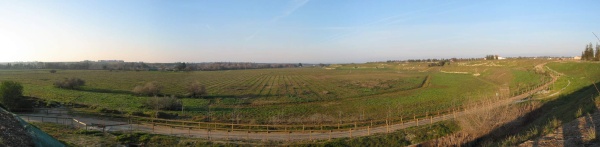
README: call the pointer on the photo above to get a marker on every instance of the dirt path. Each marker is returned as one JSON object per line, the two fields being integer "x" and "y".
{"x": 112, "y": 125}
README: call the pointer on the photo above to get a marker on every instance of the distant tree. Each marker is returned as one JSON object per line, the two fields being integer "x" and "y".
{"x": 53, "y": 71}
{"x": 70, "y": 83}
{"x": 597, "y": 52}
{"x": 11, "y": 95}
{"x": 321, "y": 65}
{"x": 299, "y": 64}
{"x": 149, "y": 89}
{"x": 588, "y": 54}
{"x": 196, "y": 90}
{"x": 180, "y": 66}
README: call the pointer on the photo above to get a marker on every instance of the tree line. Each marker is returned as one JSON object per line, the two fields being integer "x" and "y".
{"x": 491, "y": 57}
{"x": 141, "y": 66}
{"x": 431, "y": 60}
{"x": 589, "y": 55}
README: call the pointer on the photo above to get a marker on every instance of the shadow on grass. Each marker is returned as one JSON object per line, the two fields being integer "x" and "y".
{"x": 98, "y": 90}
{"x": 565, "y": 108}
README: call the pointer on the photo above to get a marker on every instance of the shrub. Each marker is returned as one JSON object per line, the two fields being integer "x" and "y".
{"x": 163, "y": 103}
{"x": 69, "y": 83}
{"x": 53, "y": 71}
{"x": 137, "y": 113}
{"x": 89, "y": 132}
{"x": 196, "y": 90}
{"x": 11, "y": 95}
{"x": 165, "y": 115}
{"x": 149, "y": 89}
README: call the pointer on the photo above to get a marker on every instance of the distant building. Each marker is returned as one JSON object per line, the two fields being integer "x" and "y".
{"x": 501, "y": 58}
{"x": 577, "y": 58}
{"x": 111, "y": 61}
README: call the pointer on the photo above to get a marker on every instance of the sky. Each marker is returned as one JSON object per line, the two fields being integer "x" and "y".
{"x": 292, "y": 31}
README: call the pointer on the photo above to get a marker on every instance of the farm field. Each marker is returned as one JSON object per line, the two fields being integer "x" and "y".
{"x": 344, "y": 92}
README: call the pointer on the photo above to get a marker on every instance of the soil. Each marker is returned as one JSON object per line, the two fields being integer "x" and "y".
{"x": 12, "y": 132}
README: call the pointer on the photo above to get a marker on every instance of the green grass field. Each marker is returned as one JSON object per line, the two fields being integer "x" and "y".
{"x": 347, "y": 92}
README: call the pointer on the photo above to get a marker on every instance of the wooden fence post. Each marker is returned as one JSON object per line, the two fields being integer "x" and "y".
{"x": 415, "y": 118}
{"x": 387, "y": 126}
{"x": 350, "y": 132}
{"x": 454, "y": 112}
{"x": 302, "y": 128}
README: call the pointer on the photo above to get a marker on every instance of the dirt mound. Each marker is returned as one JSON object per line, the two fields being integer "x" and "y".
{"x": 12, "y": 132}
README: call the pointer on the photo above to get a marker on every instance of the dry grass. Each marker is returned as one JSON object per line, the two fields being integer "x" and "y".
{"x": 590, "y": 134}
{"x": 480, "y": 123}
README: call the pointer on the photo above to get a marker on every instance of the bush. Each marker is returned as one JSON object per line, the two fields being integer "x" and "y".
{"x": 196, "y": 90}
{"x": 165, "y": 115}
{"x": 130, "y": 137}
{"x": 69, "y": 83}
{"x": 163, "y": 103}
{"x": 137, "y": 113}
{"x": 53, "y": 71}
{"x": 149, "y": 89}
{"x": 89, "y": 132}
{"x": 11, "y": 95}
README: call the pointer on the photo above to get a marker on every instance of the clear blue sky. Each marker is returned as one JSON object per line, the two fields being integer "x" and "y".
{"x": 312, "y": 31}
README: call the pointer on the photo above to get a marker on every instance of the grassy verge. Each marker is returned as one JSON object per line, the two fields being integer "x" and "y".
{"x": 404, "y": 137}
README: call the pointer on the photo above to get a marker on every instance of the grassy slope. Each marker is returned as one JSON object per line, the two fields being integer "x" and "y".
{"x": 577, "y": 97}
